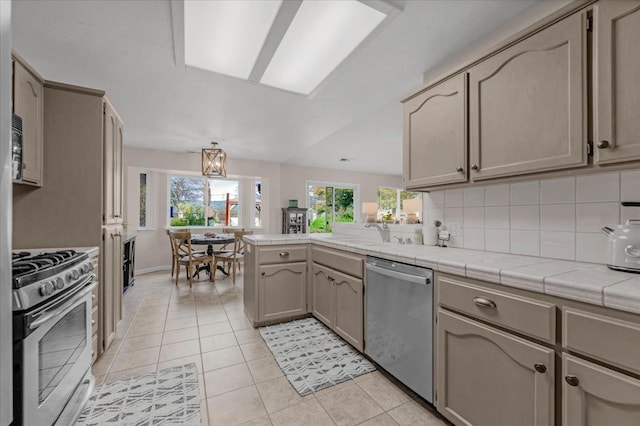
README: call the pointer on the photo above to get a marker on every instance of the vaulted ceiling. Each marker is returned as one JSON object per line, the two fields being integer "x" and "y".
{"x": 127, "y": 49}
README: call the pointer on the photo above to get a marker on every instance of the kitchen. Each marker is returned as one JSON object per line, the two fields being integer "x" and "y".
{"x": 521, "y": 203}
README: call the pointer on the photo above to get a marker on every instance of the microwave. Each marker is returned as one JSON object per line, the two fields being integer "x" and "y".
{"x": 16, "y": 148}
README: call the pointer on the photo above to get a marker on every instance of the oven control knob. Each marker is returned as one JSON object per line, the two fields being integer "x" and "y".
{"x": 86, "y": 268}
{"x": 58, "y": 283}
{"x": 73, "y": 275}
{"x": 46, "y": 289}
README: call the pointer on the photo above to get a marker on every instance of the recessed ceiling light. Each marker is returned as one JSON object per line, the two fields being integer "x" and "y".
{"x": 320, "y": 37}
{"x": 344, "y": 159}
{"x": 226, "y": 36}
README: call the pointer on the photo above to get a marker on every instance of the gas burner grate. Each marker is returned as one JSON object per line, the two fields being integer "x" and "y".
{"x": 24, "y": 263}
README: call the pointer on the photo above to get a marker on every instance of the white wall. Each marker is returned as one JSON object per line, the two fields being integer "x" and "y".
{"x": 280, "y": 183}
{"x": 6, "y": 366}
{"x": 558, "y": 218}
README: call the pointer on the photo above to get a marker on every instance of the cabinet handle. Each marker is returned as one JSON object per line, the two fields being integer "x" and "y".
{"x": 93, "y": 297}
{"x": 474, "y": 167}
{"x": 24, "y": 166}
{"x": 459, "y": 170}
{"x": 572, "y": 380}
{"x": 484, "y": 302}
{"x": 284, "y": 254}
{"x": 603, "y": 144}
{"x": 93, "y": 322}
{"x": 263, "y": 273}
{"x": 540, "y": 368}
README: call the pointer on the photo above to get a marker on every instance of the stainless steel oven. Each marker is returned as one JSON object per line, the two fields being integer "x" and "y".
{"x": 52, "y": 348}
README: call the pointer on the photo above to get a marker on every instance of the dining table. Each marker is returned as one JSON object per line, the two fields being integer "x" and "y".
{"x": 210, "y": 241}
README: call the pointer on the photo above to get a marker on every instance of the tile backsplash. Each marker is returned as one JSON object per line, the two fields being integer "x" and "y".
{"x": 558, "y": 218}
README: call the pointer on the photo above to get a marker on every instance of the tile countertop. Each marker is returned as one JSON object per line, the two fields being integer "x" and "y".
{"x": 585, "y": 282}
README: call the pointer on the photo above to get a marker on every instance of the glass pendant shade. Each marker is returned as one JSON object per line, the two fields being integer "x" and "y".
{"x": 214, "y": 162}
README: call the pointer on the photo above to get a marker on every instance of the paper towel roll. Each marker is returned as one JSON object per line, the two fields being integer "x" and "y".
{"x": 430, "y": 235}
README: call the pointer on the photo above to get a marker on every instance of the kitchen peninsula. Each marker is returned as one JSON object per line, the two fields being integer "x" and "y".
{"x": 535, "y": 327}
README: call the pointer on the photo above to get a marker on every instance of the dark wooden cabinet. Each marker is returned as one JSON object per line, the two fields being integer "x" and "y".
{"x": 128, "y": 262}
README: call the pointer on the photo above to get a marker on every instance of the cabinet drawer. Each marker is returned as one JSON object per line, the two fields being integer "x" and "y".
{"x": 94, "y": 320}
{"x": 283, "y": 254}
{"x": 339, "y": 260}
{"x": 584, "y": 332}
{"x": 527, "y": 316}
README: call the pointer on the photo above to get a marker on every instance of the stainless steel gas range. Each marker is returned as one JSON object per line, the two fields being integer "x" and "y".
{"x": 51, "y": 335}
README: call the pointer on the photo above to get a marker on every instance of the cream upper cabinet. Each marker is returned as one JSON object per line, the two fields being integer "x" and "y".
{"x": 593, "y": 395}
{"x": 616, "y": 81}
{"x": 28, "y": 104}
{"x": 112, "y": 203}
{"x": 489, "y": 377}
{"x": 527, "y": 104}
{"x": 435, "y": 135}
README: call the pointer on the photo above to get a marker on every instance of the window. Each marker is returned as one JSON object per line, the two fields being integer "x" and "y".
{"x": 257, "y": 211}
{"x": 145, "y": 204}
{"x": 223, "y": 196}
{"x": 330, "y": 203}
{"x": 198, "y": 201}
{"x": 390, "y": 203}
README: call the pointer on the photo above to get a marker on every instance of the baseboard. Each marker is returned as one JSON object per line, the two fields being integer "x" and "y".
{"x": 154, "y": 269}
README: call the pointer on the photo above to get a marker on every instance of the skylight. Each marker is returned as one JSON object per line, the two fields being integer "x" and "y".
{"x": 239, "y": 38}
{"x": 226, "y": 36}
{"x": 321, "y": 36}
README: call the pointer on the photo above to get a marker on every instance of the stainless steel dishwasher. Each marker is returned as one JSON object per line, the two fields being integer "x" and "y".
{"x": 399, "y": 322}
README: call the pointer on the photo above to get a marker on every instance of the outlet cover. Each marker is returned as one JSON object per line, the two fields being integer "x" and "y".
{"x": 454, "y": 228}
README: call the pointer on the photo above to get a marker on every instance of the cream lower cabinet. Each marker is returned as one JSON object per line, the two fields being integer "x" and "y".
{"x": 593, "y": 395}
{"x": 488, "y": 377}
{"x": 435, "y": 135}
{"x": 111, "y": 283}
{"x": 275, "y": 283}
{"x": 282, "y": 291}
{"x": 617, "y": 92}
{"x": 322, "y": 301}
{"x": 338, "y": 303}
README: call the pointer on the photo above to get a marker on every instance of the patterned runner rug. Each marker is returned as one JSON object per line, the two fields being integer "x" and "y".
{"x": 312, "y": 356}
{"x": 166, "y": 397}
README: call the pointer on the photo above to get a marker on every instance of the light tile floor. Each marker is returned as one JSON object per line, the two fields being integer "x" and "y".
{"x": 240, "y": 382}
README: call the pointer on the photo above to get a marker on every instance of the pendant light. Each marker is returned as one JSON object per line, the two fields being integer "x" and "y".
{"x": 214, "y": 161}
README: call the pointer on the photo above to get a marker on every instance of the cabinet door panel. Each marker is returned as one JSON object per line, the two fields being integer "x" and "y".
{"x": 282, "y": 291}
{"x": 348, "y": 309}
{"x": 323, "y": 294}
{"x": 110, "y": 131}
{"x": 117, "y": 174}
{"x": 28, "y": 105}
{"x": 527, "y": 104}
{"x": 601, "y": 397}
{"x": 616, "y": 88}
{"x": 488, "y": 377}
{"x": 107, "y": 283}
{"x": 435, "y": 135}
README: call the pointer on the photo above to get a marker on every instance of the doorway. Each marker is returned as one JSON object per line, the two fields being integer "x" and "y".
{"x": 329, "y": 203}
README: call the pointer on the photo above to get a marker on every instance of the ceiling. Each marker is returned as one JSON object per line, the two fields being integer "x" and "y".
{"x": 126, "y": 48}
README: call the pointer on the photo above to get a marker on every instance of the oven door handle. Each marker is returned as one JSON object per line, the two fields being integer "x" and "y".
{"x": 78, "y": 295}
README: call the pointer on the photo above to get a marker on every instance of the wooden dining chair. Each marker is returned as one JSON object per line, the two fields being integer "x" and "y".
{"x": 191, "y": 259}
{"x": 234, "y": 258}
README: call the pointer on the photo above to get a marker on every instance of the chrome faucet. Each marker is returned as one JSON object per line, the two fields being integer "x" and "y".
{"x": 384, "y": 230}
